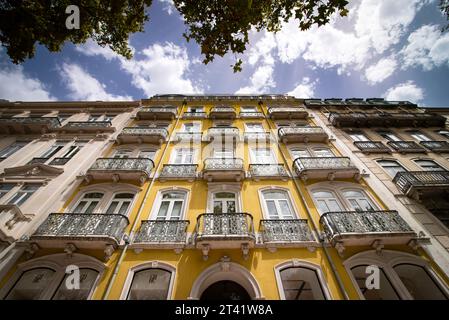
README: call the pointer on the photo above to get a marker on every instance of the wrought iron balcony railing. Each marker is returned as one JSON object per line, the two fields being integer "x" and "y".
{"x": 436, "y": 146}
{"x": 366, "y": 225}
{"x": 321, "y": 167}
{"x": 406, "y": 146}
{"x": 88, "y": 126}
{"x": 287, "y": 113}
{"x": 163, "y": 112}
{"x": 222, "y": 109}
{"x": 412, "y": 183}
{"x": 273, "y": 171}
{"x": 224, "y": 225}
{"x": 28, "y": 124}
{"x": 249, "y": 115}
{"x": 126, "y": 164}
{"x": 162, "y": 231}
{"x": 178, "y": 171}
{"x": 223, "y": 164}
{"x": 82, "y": 227}
{"x": 372, "y": 147}
{"x": 194, "y": 115}
{"x": 223, "y": 113}
{"x": 302, "y": 134}
{"x": 285, "y": 231}
{"x": 143, "y": 132}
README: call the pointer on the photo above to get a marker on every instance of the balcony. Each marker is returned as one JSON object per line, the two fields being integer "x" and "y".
{"x": 325, "y": 168}
{"x": 224, "y": 231}
{"x": 222, "y": 113}
{"x": 287, "y": 113}
{"x": 223, "y": 169}
{"x": 268, "y": 171}
{"x": 258, "y": 137}
{"x": 81, "y": 230}
{"x": 286, "y": 233}
{"x": 251, "y": 115}
{"x": 406, "y": 147}
{"x": 188, "y": 137}
{"x": 222, "y": 133}
{"x": 134, "y": 169}
{"x": 372, "y": 147}
{"x": 302, "y": 134}
{"x": 157, "y": 113}
{"x": 178, "y": 172}
{"x": 352, "y": 228}
{"x": 194, "y": 115}
{"x": 417, "y": 184}
{"x": 379, "y": 119}
{"x": 142, "y": 135}
{"x": 87, "y": 127}
{"x": 166, "y": 234}
{"x": 28, "y": 125}
{"x": 436, "y": 146}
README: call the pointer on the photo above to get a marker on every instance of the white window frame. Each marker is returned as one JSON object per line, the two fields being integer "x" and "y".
{"x": 220, "y": 187}
{"x": 391, "y": 160}
{"x": 254, "y": 159}
{"x": 19, "y": 190}
{"x": 158, "y": 202}
{"x": 196, "y": 127}
{"x": 295, "y": 263}
{"x": 176, "y": 151}
{"x": 419, "y": 135}
{"x": 442, "y": 168}
{"x": 373, "y": 204}
{"x": 244, "y": 109}
{"x": 263, "y": 202}
{"x": 121, "y": 201}
{"x": 250, "y": 130}
{"x": 389, "y": 135}
{"x": 355, "y": 136}
{"x": 224, "y": 201}
{"x": 88, "y": 201}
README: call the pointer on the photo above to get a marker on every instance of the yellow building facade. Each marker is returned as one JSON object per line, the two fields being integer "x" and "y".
{"x": 225, "y": 197}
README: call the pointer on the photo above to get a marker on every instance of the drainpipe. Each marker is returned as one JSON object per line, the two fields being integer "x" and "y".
{"x": 141, "y": 206}
{"x": 303, "y": 201}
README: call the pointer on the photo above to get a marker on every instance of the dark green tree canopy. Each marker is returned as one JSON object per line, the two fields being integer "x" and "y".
{"x": 218, "y": 26}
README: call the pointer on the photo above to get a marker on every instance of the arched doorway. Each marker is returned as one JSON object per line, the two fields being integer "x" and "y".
{"x": 225, "y": 290}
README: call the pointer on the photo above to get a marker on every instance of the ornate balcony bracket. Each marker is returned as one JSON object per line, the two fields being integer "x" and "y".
{"x": 205, "y": 248}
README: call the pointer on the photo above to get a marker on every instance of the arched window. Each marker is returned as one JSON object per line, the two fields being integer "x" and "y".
{"x": 88, "y": 203}
{"x": 391, "y": 167}
{"x": 323, "y": 152}
{"x": 225, "y": 202}
{"x": 358, "y": 200}
{"x": 121, "y": 203}
{"x": 299, "y": 153}
{"x": 86, "y": 283}
{"x": 327, "y": 201}
{"x": 278, "y": 205}
{"x": 31, "y": 285}
{"x": 150, "y": 284}
{"x": 122, "y": 153}
{"x": 418, "y": 282}
{"x": 429, "y": 165}
{"x": 300, "y": 283}
{"x": 171, "y": 205}
{"x": 385, "y": 290}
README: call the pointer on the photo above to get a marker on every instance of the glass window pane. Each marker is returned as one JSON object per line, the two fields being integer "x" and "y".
{"x": 323, "y": 207}
{"x": 87, "y": 281}
{"x": 272, "y": 211}
{"x": 163, "y": 210}
{"x": 285, "y": 209}
{"x": 275, "y": 195}
{"x": 176, "y": 211}
{"x": 124, "y": 208}
{"x": 334, "y": 205}
{"x": 31, "y": 284}
{"x": 91, "y": 207}
{"x": 230, "y": 206}
{"x": 112, "y": 207}
{"x": 300, "y": 283}
{"x": 385, "y": 291}
{"x": 150, "y": 284}
{"x": 218, "y": 207}
{"x": 322, "y": 153}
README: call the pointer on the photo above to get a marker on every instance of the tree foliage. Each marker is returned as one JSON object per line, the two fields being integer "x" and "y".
{"x": 444, "y": 6}
{"x": 218, "y": 26}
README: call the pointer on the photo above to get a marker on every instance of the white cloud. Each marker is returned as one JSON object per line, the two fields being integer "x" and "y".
{"x": 169, "y": 6}
{"x": 305, "y": 89}
{"x": 261, "y": 81}
{"x": 83, "y": 86}
{"x": 407, "y": 91}
{"x": 162, "y": 70}
{"x": 91, "y": 48}
{"x": 381, "y": 70}
{"x": 17, "y": 86}
{"x": 426, "y": 47}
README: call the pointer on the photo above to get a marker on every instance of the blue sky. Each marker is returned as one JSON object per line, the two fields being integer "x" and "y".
{"x": 384, "y": 48}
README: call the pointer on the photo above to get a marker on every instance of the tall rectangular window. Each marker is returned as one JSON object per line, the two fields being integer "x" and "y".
{"x": 358, "y": 136}
{"x": 419, "y": 136}
{"x": 183, "y": 156}
{"x": 23, "y": 194}
{"x": 192, "y": 127}
{"x": 53, "y": 150}
{"x": 73, "y": 150}
{"x": 5, "y": 188}
{"x": 388, "y": 135}
{"x": 263, "y": 156}
{"x": 391, "y": 166}
{"x": 12, "y": 148}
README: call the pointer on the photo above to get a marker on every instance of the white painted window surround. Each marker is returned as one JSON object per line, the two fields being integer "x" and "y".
{"x": 262, "y": 156}
{"x": 277, "y": 204}
{"x": 170, "y": 205}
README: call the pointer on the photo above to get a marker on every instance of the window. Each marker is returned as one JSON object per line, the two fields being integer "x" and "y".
{"x": 31, "y": 284}
{"x": 418, "y": 282}
{"x": 254, "y": 127}
{"x": 23, "y": 194}
{"x": 224, "y": 202}
{"x": 88, "y": 278}
{"x": 150, "y": 284}
{"x": 316, "y": 152}
{"x": 223, "y": 153}
{"x": 327, "y": 201}
{"x": 444, "y": 133}
{"x": 248, "y": 109}
{"x": 429, "y": 165}
{"x": 171, "y": 206}
{"x": 192, "y": 127}
{"x": 195, "y": 109}
{"x": 358, "y": 136}
{"x": 301, "y": 283}
{"x": 53, "y": 150}
{"x": 121, "y": 203}
{"x": 148, "y": 154}
{"x": 278, "y": 205}
{"x": 5, "y": 188}
{"x": 298, "y": 153}
{"x": 388, "y": 135}
{"x": 358, "y": 200}
{"x": 94, "y": 118}
{"x": 262, "y": 156}
{"x": 88, "y": 203}
{"x": 391, "y": 167}
{"x": 73, "y": 150}
{"x": 122, "y": 154}
{"x": 386, "y": 290}
{"x": 419, "y": 136}
{"x": 323, "y": 152}
{"x": 63, "y": 116}
{"x": 183, "y": 156}
{"x": 13, "y": 148}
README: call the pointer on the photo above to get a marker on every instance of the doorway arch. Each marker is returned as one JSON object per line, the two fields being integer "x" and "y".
{"x": 225, "y": 290}
{"x": 226, "y": 271}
